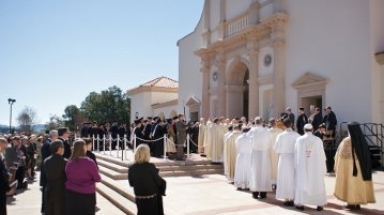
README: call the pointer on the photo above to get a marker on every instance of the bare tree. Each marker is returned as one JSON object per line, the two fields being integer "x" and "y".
{"x": 26, "y": 119}
{"x": 55, "y": 122}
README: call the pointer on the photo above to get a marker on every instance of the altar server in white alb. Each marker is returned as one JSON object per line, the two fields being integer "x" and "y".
{"x": 310, "y": 169}
{"x": 243, "y": 148}
{"x": 230, "y": 152}
{"x": 260, "y": 182}
{"x": 285, "y": 147}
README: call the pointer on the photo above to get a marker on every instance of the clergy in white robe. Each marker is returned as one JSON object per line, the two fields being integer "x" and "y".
{"x": 226, "y": 149}
{"x": 310, "y": 169}
{"x": 260, "y": 181}
{"x": 230, "y": 153}
{"x": 275, "y": 131}
{"x": 208, "y": 140}
{"x": 217, "y": 140}
{"x": 243, "y": 160}
{"x": 200, "y": 142}
{"x": 285, "y": 147}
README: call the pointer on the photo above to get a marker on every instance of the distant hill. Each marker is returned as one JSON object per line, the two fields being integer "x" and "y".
{"x": 36, "y": 128}
{"x": 39, "y": 127}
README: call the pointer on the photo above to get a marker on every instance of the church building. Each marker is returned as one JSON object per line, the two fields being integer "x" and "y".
{"x": 258, "y": 57}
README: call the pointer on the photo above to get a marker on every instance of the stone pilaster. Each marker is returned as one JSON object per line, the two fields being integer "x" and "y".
{"x": 205, "y": 101}
{"x": 254, "y": 13}
{"x": 279, "y": 101}
{"x": 253, "y": 53}
{"x": 221, "y": 92}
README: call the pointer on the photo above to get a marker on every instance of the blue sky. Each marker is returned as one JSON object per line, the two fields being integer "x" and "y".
{"x": 54, "y": 53}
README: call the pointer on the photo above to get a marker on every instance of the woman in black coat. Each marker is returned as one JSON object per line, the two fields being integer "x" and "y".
{"x": 148, "y": 186}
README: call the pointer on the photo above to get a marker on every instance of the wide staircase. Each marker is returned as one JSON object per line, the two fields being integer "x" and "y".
{"x": 114, "y": 184}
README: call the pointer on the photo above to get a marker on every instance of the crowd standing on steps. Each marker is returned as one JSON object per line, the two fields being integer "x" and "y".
{"x": 284, "y": 155}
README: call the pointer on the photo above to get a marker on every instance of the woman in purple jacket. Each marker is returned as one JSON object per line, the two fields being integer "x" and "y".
{"x": 82, "y": 175}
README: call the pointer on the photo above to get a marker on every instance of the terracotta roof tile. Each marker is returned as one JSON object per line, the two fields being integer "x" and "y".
{"x": 162, "y": 82}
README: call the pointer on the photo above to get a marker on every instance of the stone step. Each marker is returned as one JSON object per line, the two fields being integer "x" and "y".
{"x": 158, "y": 162}
{"x": 121, "y": 169}
{"x": 124, "y": 204}
{"x": 191, "y": 168}
{"x": 125, "y": 191}
{"x": 177, "y": 172}
{"x": 113, "y": 166}
{"x": 191, "y": 172}
{"x": 112, "y": 174}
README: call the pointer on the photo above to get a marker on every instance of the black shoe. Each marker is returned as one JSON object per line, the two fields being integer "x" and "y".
{"x": 255, "y": 195}
{"x": 353, "y": 207}
{"x": 300, "y": 208}
{"x": 319, "y": 208}
{"x": 263, "y": 195}
{"x": 289, "y": 203}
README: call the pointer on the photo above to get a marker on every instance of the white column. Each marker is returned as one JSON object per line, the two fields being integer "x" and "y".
{"x": 221, "y": 66}
{"x": 279, "y": 68}
{"x": 205, "y": 101}
{"x": 253, "y": 53}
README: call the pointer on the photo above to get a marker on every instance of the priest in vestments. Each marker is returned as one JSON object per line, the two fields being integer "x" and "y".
{"x": 285, "y": 147}
{"x": 243, "y": 159}
{"x": 208, "y": 139}
{"x": 230, "y": 152}
{"x": 226, "y": 156}
{"x": 200, "y": 142}
{"x": 353, "y": 170}
{"x": 217, "y": 142}
{"x": 310, "y": 168}
{"x": 275, "y": 131}
{"x": 260, "y": 181}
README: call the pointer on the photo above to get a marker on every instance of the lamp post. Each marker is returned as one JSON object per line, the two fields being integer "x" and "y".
{"x": 10, "y": 102}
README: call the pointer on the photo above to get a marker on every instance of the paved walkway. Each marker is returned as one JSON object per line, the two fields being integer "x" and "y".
{"x": 209, "y": 195}
{"x": 213, "y": 195}
{"x": 28, "y": 202}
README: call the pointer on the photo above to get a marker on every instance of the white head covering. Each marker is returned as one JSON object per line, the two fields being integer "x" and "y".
{"x": 308, "y": 126}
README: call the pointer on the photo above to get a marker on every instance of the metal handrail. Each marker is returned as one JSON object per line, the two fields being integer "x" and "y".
{"x": 373, "y": 133}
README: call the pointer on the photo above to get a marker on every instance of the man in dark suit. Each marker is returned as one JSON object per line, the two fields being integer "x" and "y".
{"x": 114, "y": 132}
{"x": 45, "y": 153}
{"x": 4, "y": 183}
{"x": 317, "y": 119}
{"x": 137, "y": 132}
{"x": 291, "y": 116}
{"x": 63, "y": 136}
{"x": 302, "y": 119}
{"x": 330, "y": 120}
{"x": 181, "y": 134}
{"x": 54, "y": 168}
{"x": 157, "y": 133}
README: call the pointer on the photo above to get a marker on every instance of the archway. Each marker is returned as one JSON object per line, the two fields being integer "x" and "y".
{"x": 237, "y": 89}
{"x": 162, "y": 116}
{"x": 172, "y": 114}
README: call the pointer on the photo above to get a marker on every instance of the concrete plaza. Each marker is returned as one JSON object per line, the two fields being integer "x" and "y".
{"x": 208, "y": 195}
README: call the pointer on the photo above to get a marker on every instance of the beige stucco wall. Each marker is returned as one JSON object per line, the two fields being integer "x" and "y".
{"x": 377, "y": 45}
{"x": 336, "y": 40}
{"x": 142, "y": 102}
{"x": 168, "y": 112}
{"x": 190, "y": 77}
{"x": 332, "y": 39}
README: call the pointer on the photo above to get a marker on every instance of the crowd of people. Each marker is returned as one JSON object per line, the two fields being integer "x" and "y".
{"x": 289, "y": 158}
{"x": 68, "y": 171}
{"x": 149, "y": 131}
{"x": 281, "y": 155}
